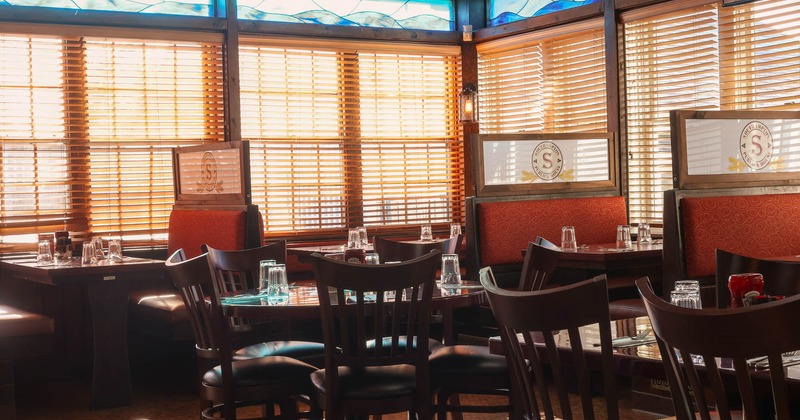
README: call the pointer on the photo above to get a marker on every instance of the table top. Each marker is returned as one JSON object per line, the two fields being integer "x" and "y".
{"x": 334, "y": 249}
{"x": 304, "y": 302}
{"x": 640, "y": 358}
{"x": 73, "y": 268}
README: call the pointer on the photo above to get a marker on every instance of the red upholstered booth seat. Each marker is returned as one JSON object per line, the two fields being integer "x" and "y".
{"x": 758, "y": 226}
{"x": 506, "y": 227}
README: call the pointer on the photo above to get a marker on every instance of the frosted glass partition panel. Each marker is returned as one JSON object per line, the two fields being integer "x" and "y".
{"x": 436, "y": 15}
{"x": 730, "y": 147}
{"x": 545, "y": 163}
{"x": 212, "y": 173}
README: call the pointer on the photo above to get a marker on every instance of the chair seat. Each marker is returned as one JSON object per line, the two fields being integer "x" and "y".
{"x": 466, "y": 360}
{"x": 372, "y": 382}
{"x": 262, "y": 371}
{"x": 301, "y": 350}
{"x": 626, "y": 308}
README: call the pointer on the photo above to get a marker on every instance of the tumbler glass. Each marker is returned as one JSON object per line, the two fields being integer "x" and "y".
{"x": 455, "y": 229}
{"x": 624, "y": 237}
{"x": 568, "y": 241}
{"x": 45, "y": 252}
{"x": 277, "y": 286}
{"x": 263, "y": 278}
{"x": 425, "y": 233}
{"x": 451, "y": 272}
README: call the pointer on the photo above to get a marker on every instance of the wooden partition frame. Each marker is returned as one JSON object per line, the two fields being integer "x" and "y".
{"x": 212, "y": 174}
{"x": 610, "y": 184}
{"x": 744, "y": 178}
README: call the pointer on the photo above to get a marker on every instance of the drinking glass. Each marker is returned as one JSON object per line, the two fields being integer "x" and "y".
{"x": 686, "y": 298}
{"x": 88, "y": 255}
{"x": 451, "y": 272}
{"x": 45, "y": 252}
{"x": 98, "y": 248}
{"x": 568, "y": 241}
{"x": 353, "y": 240}
{"x": 687, "y": 285}
{"x": 363, "y": 239}
{"x": 425, "y": 233}
{"x": 643, "y": 235}
{"x": 624, "y": 237}
{"x": 455, "y": 229}
{"x": 114, "y": 250}
{"x": 372, "y": 258}
{"x": 263, "y": 268}
{"x": 277, "y": 286}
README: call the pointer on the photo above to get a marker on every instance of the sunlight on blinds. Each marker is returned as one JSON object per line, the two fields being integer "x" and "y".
{"x": 350, "y": 136}
{"x": 34, "y": 167}
{"x": 671, "y": 62}
{"x": 550, "y": 81}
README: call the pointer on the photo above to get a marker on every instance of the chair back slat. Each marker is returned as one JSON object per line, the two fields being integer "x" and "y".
{"x": 369, "y": 328}
{"x": 536, "y": 314}
{"x": 733, "y": 335}
{"x": 539, "y": 264}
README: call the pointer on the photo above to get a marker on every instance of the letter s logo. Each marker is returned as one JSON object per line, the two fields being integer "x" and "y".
{"x": 757, "y": 148}
{"x": 548, "y": 163}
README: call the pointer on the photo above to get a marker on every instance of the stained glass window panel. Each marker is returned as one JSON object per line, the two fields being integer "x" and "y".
{"x": 506, "y": 11}
{"x": 167, "y": 7}
{"x": 399, "y": 14}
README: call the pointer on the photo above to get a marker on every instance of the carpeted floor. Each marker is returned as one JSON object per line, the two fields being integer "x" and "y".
{"x": 164, "y": 388}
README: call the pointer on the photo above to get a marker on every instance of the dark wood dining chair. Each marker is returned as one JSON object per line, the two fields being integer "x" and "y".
{"x": 231, "y": 384}
{"x": 392, "y": 250}
{"x": 534, "y": 315}
{"x": 734, "y": 335}
{"x": 538, "y": 270}
{"x": 381, "y": 366}
{"x": 458, "y": 368}
{"x": 540, "y": 262}
{"x": 238, "y": 270}
{"x": 780, "y": 277}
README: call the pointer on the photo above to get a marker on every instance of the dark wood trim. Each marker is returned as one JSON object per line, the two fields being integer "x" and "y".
{"x": 254, "y": 27}
{"x": 230, "y": 50}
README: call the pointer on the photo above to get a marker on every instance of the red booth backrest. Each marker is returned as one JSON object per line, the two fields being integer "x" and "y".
{"x": 506, "y": 227}
{"x": 222, "y": 229}
{"x": 757, "y": 226}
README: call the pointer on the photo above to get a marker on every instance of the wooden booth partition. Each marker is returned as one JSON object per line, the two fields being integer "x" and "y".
{"x": 212, "y": 206}
{"x": 736, "y": 188}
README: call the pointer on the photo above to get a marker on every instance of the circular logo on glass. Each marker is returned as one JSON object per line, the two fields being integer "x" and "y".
{"x": 546, "y": 160}
{"x": 756, "y": 145}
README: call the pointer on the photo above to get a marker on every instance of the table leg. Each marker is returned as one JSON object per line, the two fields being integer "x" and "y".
{"x": 111, "y": 371}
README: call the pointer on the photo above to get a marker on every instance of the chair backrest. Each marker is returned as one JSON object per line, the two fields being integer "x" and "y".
{"x": 193, "y": 280}
{"x": 780, "y": 277}
{"x": 237, "y": 270}
{"x": 391, "y": 250}
{"x": 535, "y": 315}
{"x": 733, "y": 334}
{"x": 540, "y": 263}
{"x": 401, "y": 324}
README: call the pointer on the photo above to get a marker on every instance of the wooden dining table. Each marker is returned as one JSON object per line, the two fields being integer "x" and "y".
{"x": 622, "y": 267}
{"x": 642, "y": 363}
{"x": 70, "y": 292}
{"x": 304, "y": 304}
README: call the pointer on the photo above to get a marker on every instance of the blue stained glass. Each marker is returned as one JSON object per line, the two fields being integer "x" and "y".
{"x": 172, "y": 7}
{"x": 401, "y": 14}
{"x": 505, "y": 11}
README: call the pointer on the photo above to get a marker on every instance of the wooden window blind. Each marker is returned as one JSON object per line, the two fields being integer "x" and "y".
{"x": 671, "y": 62}
{"x": 545, "y": 81}
{"x": 345, "y": 134}
{"x": 685, "y": 55}
{"x": 760, "y": 55}
{"x": 101, "y": 119}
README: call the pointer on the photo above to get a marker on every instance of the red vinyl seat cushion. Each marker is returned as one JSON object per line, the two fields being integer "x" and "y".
{"x": 190, "y": 229}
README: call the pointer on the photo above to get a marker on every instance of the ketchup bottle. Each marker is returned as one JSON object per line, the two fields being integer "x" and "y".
{"x": 744, "y": 285}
